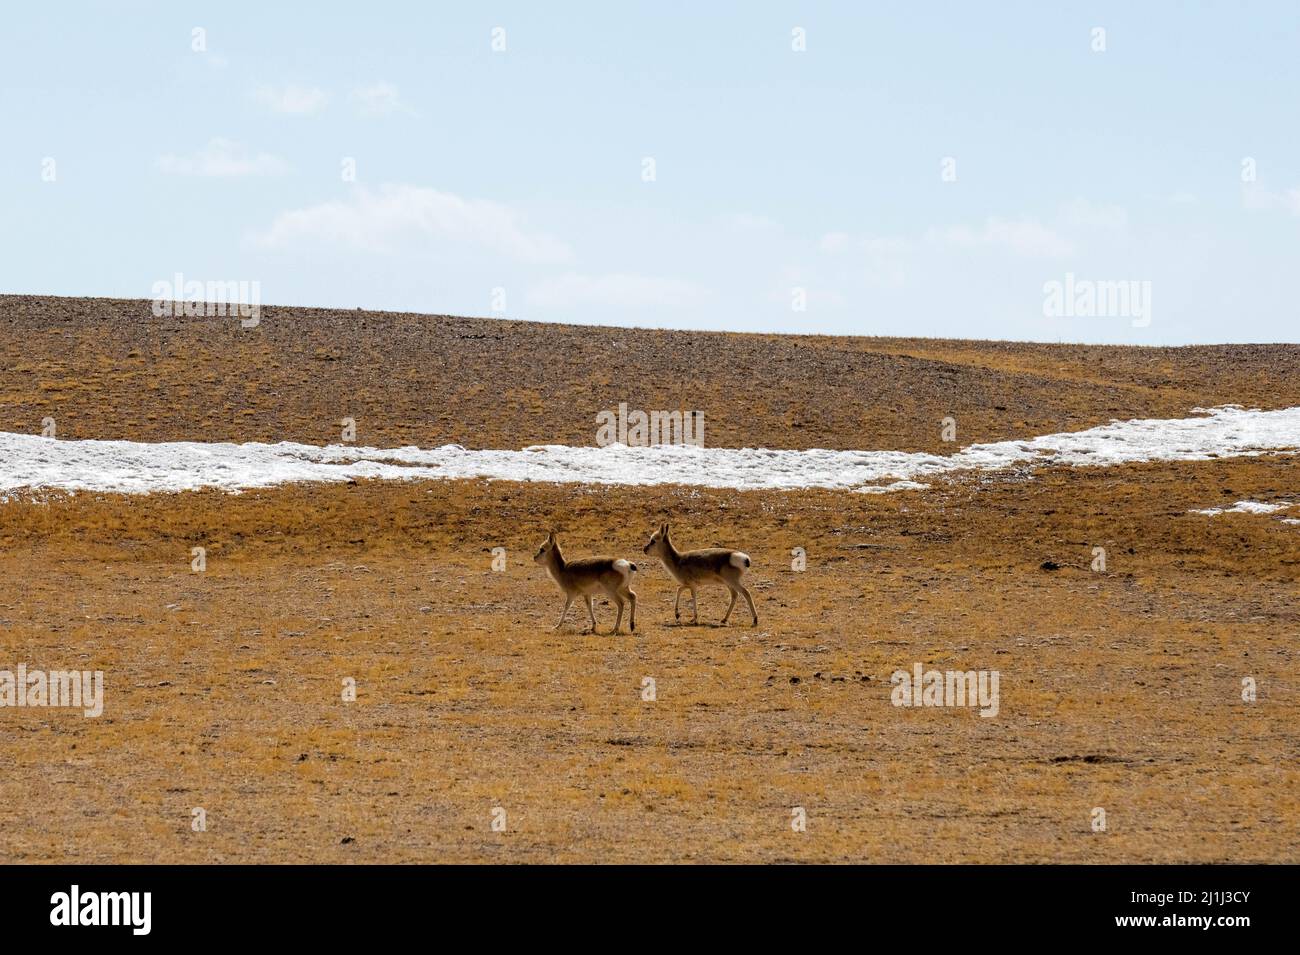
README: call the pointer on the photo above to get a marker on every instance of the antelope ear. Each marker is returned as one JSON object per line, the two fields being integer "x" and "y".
{"x": 550, "y": 535}
{"x": 664, "y": 530}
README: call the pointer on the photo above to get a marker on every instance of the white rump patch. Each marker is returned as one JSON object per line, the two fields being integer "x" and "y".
{"x": 739, "y": 560}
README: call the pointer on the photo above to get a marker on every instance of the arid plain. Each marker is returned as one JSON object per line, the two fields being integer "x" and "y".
{"x": 1121, "y": 689}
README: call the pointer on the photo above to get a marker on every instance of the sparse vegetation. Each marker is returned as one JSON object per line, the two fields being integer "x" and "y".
{"x": 1120, "y": 689}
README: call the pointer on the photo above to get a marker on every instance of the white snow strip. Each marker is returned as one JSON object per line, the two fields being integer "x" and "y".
{"x": 31, "y": 461}
{"x": 1245, "y": 507}
{"x": 895, "y": 486}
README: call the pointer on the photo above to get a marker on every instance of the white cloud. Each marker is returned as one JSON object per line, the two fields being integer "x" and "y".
{"x": 884, "y": 258}
{"x": 1081, "y": 212}
{"x": 834, "y": 242}
{"x": 378, "y": 99}
{"x": 796, "y": 281}
{"x": 222, "y": 158}
{"x": 878, "y": 245}
{"x": 1254, "y": 197}
{"x": 615, "y": 290}
{"x": 402, "y": 218}
{"x": 1026, "y": 237}
{"x": 887, "y": 261}
{"x": 747, "y": 222}
{"x": 295, "y": 100}
{"x": 837, "y": 242}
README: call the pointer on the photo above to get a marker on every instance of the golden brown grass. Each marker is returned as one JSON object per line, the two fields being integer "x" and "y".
{"x": 1120, "y": 689}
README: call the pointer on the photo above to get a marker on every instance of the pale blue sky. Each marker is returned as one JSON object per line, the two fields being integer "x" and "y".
{"x": 775, "y": 169}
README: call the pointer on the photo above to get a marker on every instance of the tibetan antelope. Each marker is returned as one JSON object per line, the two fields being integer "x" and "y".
{"x": 587, "y": 576}
{"x": 694, "y": 567}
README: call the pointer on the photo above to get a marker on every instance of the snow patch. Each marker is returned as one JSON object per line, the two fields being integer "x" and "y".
{"x": 1244, "y": 507}
{"x": 31, "y": 461}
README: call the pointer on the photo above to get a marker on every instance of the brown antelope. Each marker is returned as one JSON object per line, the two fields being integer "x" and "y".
{"x": 587, "y": 576}
{"x": 694, "y": 567}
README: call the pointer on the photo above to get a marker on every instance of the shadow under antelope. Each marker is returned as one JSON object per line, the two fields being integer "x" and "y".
{"x": 694, "y": 567}
{"x": 587, "y": 576}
